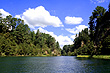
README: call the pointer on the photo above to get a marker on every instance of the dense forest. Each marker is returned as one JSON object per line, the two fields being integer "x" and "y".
{"x": 16, "y": 39}
{"x": 94, "y": 40}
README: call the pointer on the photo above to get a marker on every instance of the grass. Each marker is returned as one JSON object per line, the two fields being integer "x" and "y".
{"x": 41, "y": 55}
{"x": 85, "y": 56}
{"x": 101, "y": 56}
{"x": 94, "y": 56}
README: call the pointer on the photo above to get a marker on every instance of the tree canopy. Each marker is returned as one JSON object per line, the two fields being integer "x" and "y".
{"x": 95, "y": 39}
{"x": 17, "y": 39}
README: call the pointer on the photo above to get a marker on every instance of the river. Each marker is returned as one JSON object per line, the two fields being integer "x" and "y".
{"x": 60, "y": 64}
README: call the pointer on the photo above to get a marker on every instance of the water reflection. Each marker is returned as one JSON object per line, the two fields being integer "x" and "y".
{"x": 62, "y": 64}
{"x": 95, "y": 65}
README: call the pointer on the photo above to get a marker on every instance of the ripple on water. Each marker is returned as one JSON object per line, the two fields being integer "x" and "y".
{"x": 62, "y": 64}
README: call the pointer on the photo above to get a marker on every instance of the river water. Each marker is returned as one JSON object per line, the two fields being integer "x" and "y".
{"x": 61, "y": 64}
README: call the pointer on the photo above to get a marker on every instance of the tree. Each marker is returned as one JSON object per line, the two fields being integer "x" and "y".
{"x": 94, "y": 22}
{"x": 32, "y": 36}
{"x": 83, "y": 36}
{"x": 57, "y": 45}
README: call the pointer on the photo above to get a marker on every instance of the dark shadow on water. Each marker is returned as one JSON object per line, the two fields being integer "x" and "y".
{"x": 84, "y": 58}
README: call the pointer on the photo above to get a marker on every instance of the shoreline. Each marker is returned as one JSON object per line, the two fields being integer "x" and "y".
{"x": 94, "y": 56}
{"x": 29, "y": 56}
{"x": 83, "y": 56}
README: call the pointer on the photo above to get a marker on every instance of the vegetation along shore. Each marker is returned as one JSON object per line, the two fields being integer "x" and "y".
{"x": 95, "y": 40}
{"x": 16, "y": 38}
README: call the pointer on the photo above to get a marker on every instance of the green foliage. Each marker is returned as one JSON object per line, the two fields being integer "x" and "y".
{"x": 63, "y": 52}
{"x": 83, "y": 36}
{"x": 96, "y": 41}
{"x": 16, "y": 39}
{"x": 67, "y": 50}
{"x": 101, "y": 56}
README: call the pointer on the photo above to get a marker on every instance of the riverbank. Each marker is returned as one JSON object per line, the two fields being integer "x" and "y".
{"x": 101, "y": 56}
{"x": 85, "y": 56}
{"x": 40, "y": 55}
{"x": 94, "y": 56}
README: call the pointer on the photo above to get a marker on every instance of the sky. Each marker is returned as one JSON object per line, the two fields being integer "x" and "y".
{"x": 62, "y": 19}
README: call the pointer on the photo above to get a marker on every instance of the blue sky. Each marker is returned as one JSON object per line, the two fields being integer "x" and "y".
{"x": 62, "y": 19}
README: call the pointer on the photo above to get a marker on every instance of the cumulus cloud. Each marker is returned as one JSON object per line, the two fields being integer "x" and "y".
{"x": 18, "y": 16}
{"x": 77, "y": 29}
{"x": 73, "y": 37}
{"x": 63, "y": 40}
{"x": 73, "y": 20}
{"x": 4, "y": 13}
{"x": 39, "y": 16}
{"x": 98, "y": 1}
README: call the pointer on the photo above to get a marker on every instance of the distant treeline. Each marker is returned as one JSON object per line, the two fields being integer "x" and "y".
{"x": 96, "y": 39}
{"x": 16, "y": 39}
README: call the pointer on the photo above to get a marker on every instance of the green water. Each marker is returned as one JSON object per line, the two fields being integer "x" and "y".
{"x": 61, "y": 64}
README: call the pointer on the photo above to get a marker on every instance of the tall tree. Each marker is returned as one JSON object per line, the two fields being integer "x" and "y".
{"x": 95, "y": 19}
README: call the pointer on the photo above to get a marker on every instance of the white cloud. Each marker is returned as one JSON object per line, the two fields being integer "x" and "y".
{"x": 73, "y": 37}
{"x": 73, "y": 20}
{"x": 101, "y": 1}
{"x": 63, "y": 40}
{"x": 98, "y": 1}
{"x": 40, "y": 17}
{"x": 4, "y": 13}
{"x": 18, "y": 16}
{"x": 77, "y": 29}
